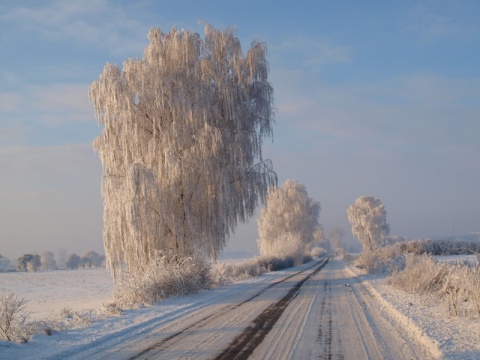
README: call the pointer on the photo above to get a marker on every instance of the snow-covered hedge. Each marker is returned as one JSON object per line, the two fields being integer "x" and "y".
{"x": 422, "y": 274}
{"x": 458, "y": 286}
{"x": 383, "y": 259}
{"x": 439, "y": 247}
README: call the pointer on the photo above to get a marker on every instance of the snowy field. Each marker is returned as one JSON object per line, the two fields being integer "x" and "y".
{"x": 471, "y": 260}
{"x": 49, "y": 292}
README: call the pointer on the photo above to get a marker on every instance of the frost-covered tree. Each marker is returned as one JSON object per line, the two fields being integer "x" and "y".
{"x": 29, "y": 262}
{"x": 47, "y": 260}
{"x": 181, "y": 145}
{"x": 368, "y": 218}
{"x": 336, "y": 237}
{"x": 62, "y": 258}
{"x": 90, "y": 259}
{"x": 4, "y": 264}
{"x": 288, "y": 210}
{"x": 72, "y": 262}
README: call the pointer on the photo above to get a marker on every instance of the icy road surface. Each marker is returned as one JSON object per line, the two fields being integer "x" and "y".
{"x": 320, "y": 310}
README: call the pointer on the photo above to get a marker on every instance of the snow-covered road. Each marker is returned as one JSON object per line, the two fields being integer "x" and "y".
{"x": 319, "y": 310}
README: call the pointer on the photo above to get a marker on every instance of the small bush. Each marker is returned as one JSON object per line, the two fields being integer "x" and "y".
{"x": 388, "y": 259}
{"x": 14, "y": 325}
{"x": 462, "y": 290}
{"x": 472, "y": 283}
{"x": 307, "y": 258}
{"x": 273, "y": 263}
{"x": 167, "y": 276}
{"x": 285, "y": 245}
{"x": 225, "y": 273}
{"x": 422, "y": 274}
{"x": 317, "y": 251}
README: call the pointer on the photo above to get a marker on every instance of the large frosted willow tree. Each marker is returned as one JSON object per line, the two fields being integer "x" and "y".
{"x": 181, "y": 146}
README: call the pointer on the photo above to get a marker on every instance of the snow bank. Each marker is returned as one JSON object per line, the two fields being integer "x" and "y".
{"x": 425, "y": 317}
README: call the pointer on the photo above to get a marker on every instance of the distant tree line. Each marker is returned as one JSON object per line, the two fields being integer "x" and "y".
{"x": 46, "y": 261}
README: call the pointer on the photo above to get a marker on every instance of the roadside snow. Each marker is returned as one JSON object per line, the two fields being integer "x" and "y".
{"x": 455, "y": 337}
{"x": 50, "y": 292}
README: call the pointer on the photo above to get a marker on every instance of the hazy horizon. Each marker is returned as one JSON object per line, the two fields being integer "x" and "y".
{"x": 371, "y": 98}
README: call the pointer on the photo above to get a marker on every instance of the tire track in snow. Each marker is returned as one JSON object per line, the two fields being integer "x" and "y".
{"x": 325, "y": 335}
{"x": 179, "y": 335}
{"x": 245, "y": 343}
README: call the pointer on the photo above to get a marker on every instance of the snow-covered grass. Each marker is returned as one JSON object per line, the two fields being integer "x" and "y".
{"x": 456, "y": 337}
{"x": 427, "y": 316}
{"x": 457, "y": 285}
{"x": 49, "y": 292}
{"x": 60, "y": 300}
{"x": 471, "y": 260}
{"x": 165, "y": 277}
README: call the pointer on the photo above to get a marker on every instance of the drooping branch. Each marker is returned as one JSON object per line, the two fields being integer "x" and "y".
{"x": 181, "y": 144}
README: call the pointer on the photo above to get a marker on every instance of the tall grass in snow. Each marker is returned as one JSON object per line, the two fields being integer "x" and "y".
{"x": 457, "y": 285}
{"x": 166, "y": 276}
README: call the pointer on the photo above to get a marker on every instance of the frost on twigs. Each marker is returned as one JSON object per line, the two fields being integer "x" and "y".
{"x": 14, "y": 325}
{"x": 165, "y": 276}
{"x": 181, "y": 145}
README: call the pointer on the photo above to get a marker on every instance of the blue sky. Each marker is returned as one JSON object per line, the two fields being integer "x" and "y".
{"x": 374, "y": 98}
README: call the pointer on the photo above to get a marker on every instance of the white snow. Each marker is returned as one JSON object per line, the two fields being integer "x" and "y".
{"x": 47, "y": 292}
{"x": 471, "y": 260}
{"x": 454, "y": 337}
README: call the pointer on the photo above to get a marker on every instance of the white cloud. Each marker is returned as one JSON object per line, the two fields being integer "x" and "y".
{"x": 48, "y": 104}
{"x": 59, "y": 103}
{"x": 9, "y": 101}
{"x": 432, "y": 22}
{"x": 96, "y": 23}
{"x": 435, "y": 111}
{"x": 310, "y": 53}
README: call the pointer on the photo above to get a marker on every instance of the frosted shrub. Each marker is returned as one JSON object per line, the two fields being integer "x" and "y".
{"x": 454, "y": 290}
{"x": 227, "y": 273}
{"x": 422, "y": 274}
{"x": 462, "y": 290}
{"x": 14, "y": 325}
{"x": 166, "y": 276}
{"x": 284, "y": 245}
{"x": 110, "y": 309}
{"x": 388, "y": 259}
{"x": 472, "y": 283}
{"x": 317, "y": 251}
{"x": 273, "y": 263}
